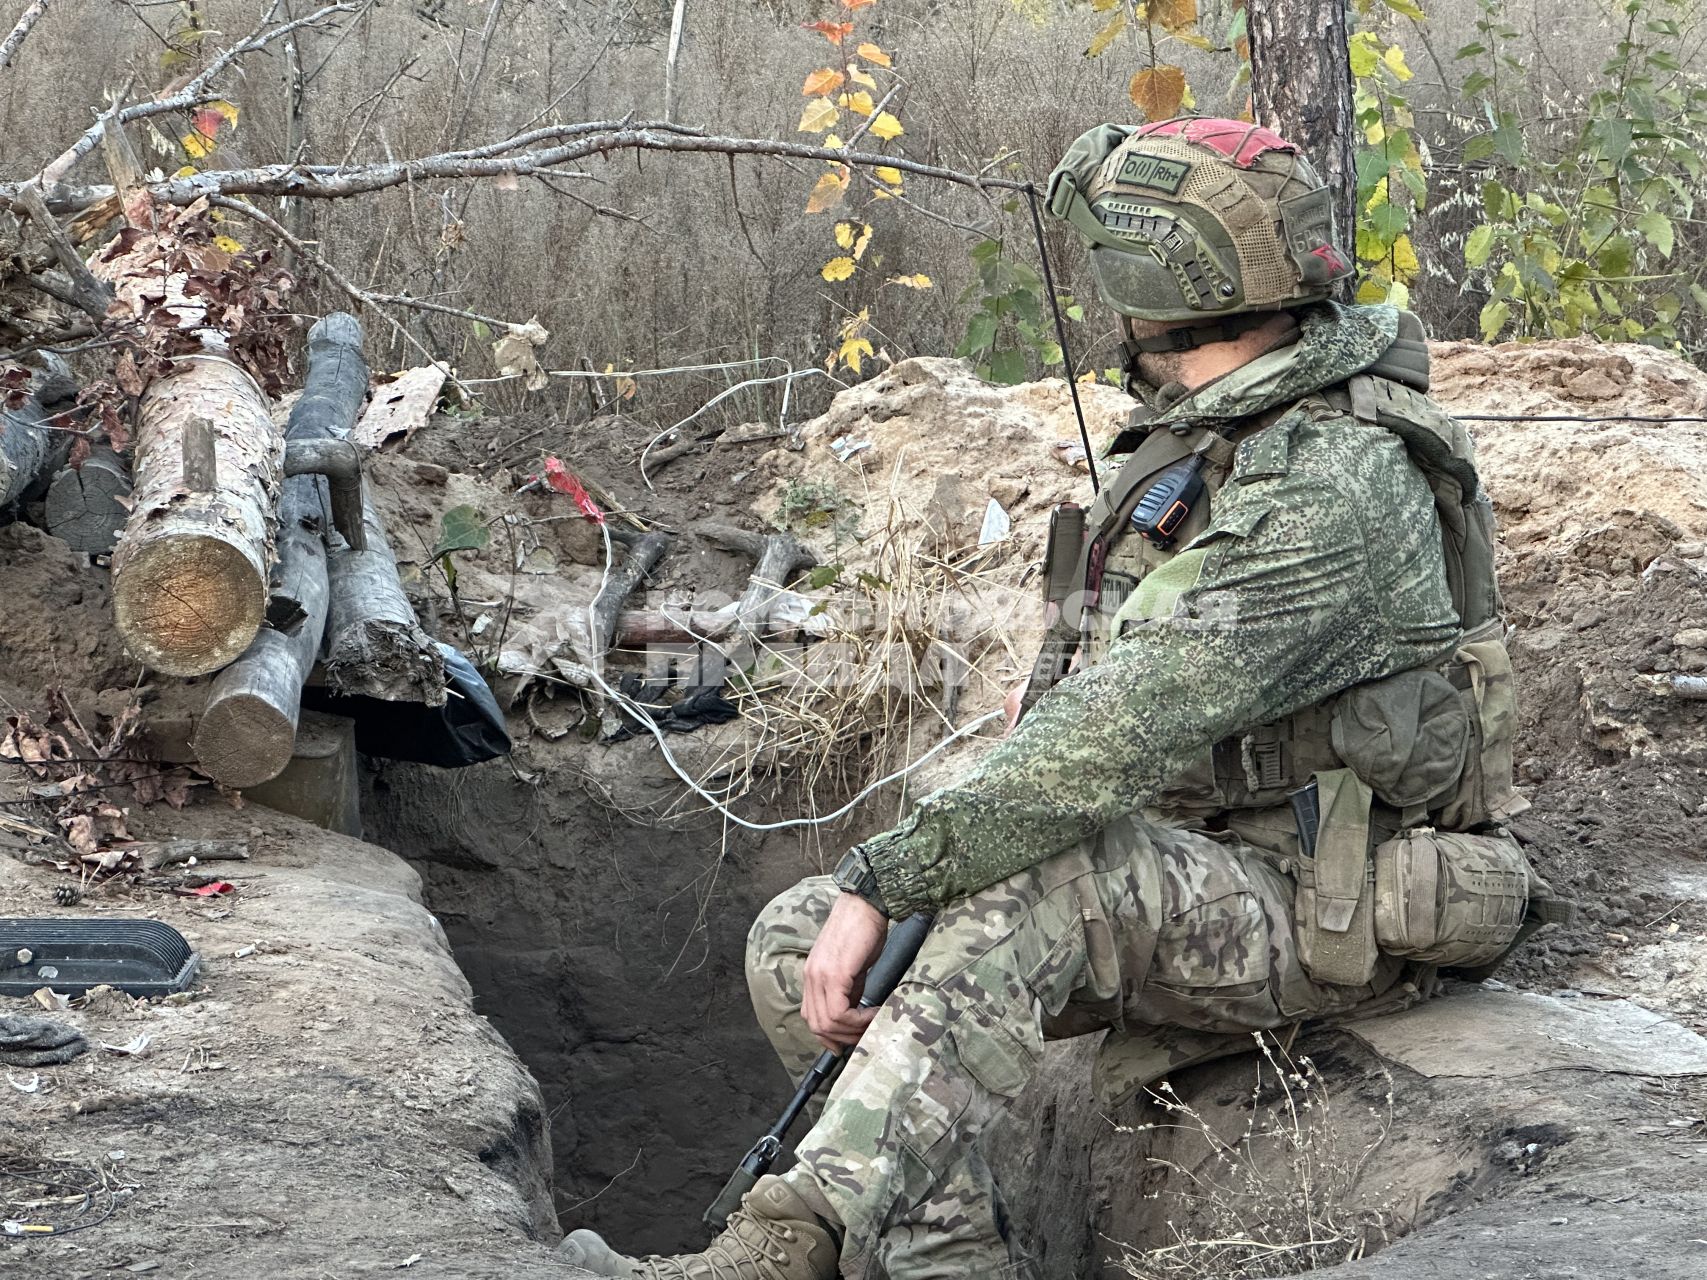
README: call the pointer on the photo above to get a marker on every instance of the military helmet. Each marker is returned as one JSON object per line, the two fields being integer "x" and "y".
{"x": 1195, "y": 219}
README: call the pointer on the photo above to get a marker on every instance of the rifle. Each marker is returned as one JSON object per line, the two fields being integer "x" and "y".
{"x": 899, "y": 952}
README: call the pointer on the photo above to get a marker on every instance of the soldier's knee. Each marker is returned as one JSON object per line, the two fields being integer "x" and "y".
{"x": 783, "y": 932}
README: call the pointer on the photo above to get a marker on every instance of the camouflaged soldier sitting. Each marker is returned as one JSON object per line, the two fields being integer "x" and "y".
{"x": 1322, "y": 618}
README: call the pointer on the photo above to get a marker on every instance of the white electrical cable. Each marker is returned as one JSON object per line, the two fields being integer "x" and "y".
{"x": 641, "y": 714}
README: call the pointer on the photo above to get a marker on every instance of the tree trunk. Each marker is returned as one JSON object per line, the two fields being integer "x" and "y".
{"x": 375, "y": 645}
{"x": 88, "y": 505}
{"x": 1301, "y": 88}
{"x": 247, "y": 733}
{"x": 190, "y": 570}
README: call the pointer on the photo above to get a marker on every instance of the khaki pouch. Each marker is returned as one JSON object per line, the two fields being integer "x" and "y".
{"x": 1485, "y": 792}
{"x": 1335, "y": 916}
{"x": 1448, "y": 898}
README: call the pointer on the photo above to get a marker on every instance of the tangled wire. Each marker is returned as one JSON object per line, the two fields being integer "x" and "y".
{"x": 40, "y": 1197}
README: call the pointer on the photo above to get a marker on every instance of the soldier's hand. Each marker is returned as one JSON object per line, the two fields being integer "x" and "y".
{"x": 848, "y": 945}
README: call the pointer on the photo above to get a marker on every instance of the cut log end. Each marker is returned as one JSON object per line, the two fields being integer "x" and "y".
{"x": 188, "y": 605}
{"x": 244, "y": 741}
{"x": 88, "y": 505}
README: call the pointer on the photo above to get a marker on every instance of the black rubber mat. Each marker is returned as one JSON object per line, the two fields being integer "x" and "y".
{"x": 139, "y": 957}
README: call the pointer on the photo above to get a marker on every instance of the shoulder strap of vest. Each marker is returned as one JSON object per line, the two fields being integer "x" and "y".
{"x": 1434, "y": 440}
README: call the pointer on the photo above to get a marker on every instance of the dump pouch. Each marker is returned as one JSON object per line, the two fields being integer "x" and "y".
{"x": 1448, "y": 898}
{"x": 1406, "y": 735}
{"x": 1335, "y": 902}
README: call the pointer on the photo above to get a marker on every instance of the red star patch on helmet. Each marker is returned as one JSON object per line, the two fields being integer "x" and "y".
{"x": 1239, "y": 141}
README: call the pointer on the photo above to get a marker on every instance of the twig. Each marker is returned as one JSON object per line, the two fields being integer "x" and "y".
{"x": 30, "y": 17}
{"x": 192, "y": 94}
{"x": 356, "y": 294}
{"x": 92, "y": 296}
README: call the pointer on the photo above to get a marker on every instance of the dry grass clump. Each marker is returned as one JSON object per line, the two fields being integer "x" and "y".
{"x": 916, "y": 636}
{"x": 1280, "y": 1197}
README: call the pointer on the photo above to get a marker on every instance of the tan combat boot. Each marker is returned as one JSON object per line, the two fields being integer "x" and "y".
{"x": 774, "y": 1235}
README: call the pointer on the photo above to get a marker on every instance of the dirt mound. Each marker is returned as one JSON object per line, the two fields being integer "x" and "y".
{"x": 1603, "y": 531}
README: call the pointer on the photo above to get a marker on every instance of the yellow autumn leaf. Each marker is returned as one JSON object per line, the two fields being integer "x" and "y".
{"x": 1371, "y": 291}
{"x": 837, "y": 269}
{"x": 872, "y": 54}
{"x": 832, "y": 140}
{"x": 823, "y": 80}
{"x": 827, "y": 194}
{"x": 859, "y": 103}
{"x": 845, "y": 233}
{"x": 229, "y": 110}
{"x": 1173, "y": 15}
{"x": 1196, "y": 39}
{"x": 888, "y": 173}
{"x": 1373, "y": 132}
{"x": 859, "y": 244}
{"x": 1102, "y": 39}
{"x": 1395, "y": 60}
{"x": 198, "y": 146}
{"x": 916, "y": 281}
{"x": 886, "y": 126}
{"x": 1405, "y": 264}
{"x": 187, "y": 171}
{"x": 1103, "y": 6}
{"x": 862, "y": 77}
{"x": 1158, "y": 91}
{"x": 819, "y": 115}
{"x": 225, "y": 244}
{"x": 1377, "y": 197}
{"x": 852, "y": 351}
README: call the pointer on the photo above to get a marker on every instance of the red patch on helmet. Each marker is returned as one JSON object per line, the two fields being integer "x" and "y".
{"x": 1328, "y": 254}
{"x": 1239, "y": 141}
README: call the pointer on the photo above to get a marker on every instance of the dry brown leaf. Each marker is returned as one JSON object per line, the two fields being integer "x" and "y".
{"x": 1158, "y": 91}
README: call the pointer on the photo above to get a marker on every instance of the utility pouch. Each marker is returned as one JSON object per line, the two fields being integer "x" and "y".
{"x": 1485, "y": 792}
{"x": 1335, "y": 916}
{"x": 1063, "y": 598}
{"x": 1449, "y": 898}
{"x": 1406, "y": 735}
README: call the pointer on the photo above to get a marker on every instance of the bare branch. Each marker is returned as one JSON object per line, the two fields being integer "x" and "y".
{"x": 30, "y": 17}
{"x": 323, "y": 182}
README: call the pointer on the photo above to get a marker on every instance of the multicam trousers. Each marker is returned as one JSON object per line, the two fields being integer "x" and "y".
{"x": 1144, "y": 927}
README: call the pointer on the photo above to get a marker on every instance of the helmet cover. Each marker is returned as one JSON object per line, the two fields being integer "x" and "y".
{"x": 1194, "y": 219}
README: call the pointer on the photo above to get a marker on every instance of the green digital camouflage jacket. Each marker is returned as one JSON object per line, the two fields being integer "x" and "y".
{"x": 1321, "y": 567}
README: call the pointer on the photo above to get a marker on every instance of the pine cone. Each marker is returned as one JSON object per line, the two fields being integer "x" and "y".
{"x": 67, "y": 895}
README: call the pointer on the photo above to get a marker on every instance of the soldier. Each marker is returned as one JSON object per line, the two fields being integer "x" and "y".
{"x": 1266, "y": 792}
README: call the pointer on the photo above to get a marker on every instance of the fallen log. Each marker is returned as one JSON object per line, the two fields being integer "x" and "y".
{"x": 247, "y": 732}
{"x": 29, "y": 450}
{"x": 87, "y": 505}
{"x": 190, "y": 569}
{"x": 375, "y": 646}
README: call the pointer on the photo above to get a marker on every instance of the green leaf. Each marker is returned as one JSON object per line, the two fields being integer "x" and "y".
{"x": 462, "y": 529}
{"x": 1477, "y": 247}
{"x": 1007, "y": 367}
{"x": 1479, "y": 148}
{"x": 1049, "y": 353}
{"x": 980, "y": 335}
{"x": 1405, "y": 9}
{"x": 824, "y": 575}
{"x": 1658, "y": 229}
{"x": 482, "y": 330}
{"x": 1494, "y": 318}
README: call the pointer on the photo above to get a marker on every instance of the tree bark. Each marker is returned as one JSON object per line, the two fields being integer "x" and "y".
{"x": 375, "y": 645}
{"x": 88, "y": 505}
{"x": 29, "y": 450}
{"x": 247, "y": 732}
{"x": 1301, "y": 88}
{"x": 190, "y": 569}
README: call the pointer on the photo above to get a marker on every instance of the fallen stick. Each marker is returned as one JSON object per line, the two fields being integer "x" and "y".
{"x": 247, "y": 733}
{"x": 644, "y": 552}
{"x": 154, "y": 854}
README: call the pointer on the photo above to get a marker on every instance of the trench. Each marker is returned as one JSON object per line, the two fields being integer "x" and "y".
{"x": 608, "y": 955}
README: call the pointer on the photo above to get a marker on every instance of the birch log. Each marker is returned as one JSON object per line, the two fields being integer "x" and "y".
{"x": 190, "y": 569}
{"x": 247, "y": 733}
